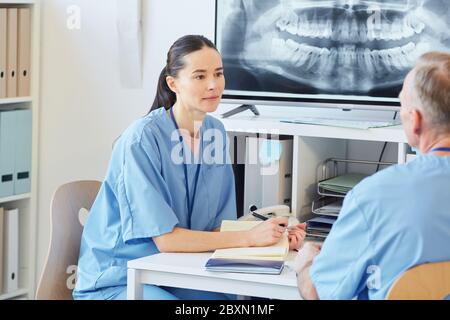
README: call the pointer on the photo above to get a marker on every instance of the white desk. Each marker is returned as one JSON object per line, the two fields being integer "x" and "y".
{"x": 185, "y": 270}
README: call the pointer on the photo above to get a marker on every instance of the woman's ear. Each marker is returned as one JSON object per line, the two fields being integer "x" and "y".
{"x": 171, "y": 84}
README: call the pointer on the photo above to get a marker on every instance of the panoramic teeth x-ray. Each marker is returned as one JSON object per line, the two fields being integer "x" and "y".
{"x": 330, "y": 47}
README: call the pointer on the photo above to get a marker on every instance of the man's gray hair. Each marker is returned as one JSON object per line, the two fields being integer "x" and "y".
{"x": 432, "y": 86}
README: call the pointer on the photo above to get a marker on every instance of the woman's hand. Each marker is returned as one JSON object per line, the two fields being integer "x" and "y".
{"x": 296, "y": 236}
{"x": 268, "y": 232}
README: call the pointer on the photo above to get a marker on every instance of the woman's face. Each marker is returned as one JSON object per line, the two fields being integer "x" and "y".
{"x": 200, "y": 84}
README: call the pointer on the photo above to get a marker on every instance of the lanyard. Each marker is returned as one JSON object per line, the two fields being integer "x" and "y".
{"x": 443, "y": 149}
{"x": 189, "y": 204}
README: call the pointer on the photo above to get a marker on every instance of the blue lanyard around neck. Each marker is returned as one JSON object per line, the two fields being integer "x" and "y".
{"x": 190, "y": 205}
{"x": 442, "y": 149}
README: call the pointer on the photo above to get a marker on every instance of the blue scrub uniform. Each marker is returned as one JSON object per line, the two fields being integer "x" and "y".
{"x": 144, "y": 196}
{"x": 390, "y": 222}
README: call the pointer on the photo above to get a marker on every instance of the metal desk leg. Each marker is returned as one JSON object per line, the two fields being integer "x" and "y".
{"x": 135, "y": 288}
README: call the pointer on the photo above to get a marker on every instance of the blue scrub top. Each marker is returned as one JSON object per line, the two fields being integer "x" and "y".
{"x": 390, "y": 222}
{"x": 144, "y": 196}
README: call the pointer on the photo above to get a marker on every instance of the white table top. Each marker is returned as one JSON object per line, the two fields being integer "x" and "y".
{"x": 193, "y": 264}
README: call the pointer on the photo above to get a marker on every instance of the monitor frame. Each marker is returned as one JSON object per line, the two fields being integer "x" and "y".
{"x": 365, "y": 102}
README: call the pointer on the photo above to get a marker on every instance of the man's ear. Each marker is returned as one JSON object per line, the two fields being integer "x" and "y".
{"x": 417, "y": 122}
{"x": 171, "y": 84}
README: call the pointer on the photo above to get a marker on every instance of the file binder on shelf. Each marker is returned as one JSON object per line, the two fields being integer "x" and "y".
{"x": 24, "y": 52}
{"x": 11, "y": 251}
{"x": 7, "y": 152}
{"x": 22, "y": 172}
{"x": 11, "y": 78}
{"x": 3, "y": 51}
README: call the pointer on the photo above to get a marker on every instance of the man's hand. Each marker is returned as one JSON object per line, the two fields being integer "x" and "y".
{"x": 306, "y": 255}
{"x": 302, "y": 264}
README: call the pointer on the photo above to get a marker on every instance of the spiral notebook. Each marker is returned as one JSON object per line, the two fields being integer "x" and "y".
{"x": 268, "y": 260}
{"x": 244, "y": 266}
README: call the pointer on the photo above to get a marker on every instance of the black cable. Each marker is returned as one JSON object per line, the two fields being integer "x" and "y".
{"x": 381, "y": 155}
{"x": 384, "y": 146}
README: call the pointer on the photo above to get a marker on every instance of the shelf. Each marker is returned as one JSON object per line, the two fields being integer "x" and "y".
{"x": 269, "y": 122}
{"x": 261, "y": 125}
{"x": 14, "y": 294}
{"x": 15, "y": 100}
{"x": 17, "y": 2}
{"x": 15, "y": 198}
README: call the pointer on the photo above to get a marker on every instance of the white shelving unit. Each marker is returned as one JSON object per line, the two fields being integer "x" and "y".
{"x": 312, "y": 144}
{"x": 27, "y": 203}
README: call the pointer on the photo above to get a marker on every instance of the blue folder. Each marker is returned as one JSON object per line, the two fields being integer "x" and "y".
{"x": 22, "y": 172}
{"x": 244, "y": 266}
{"x": 7, "y": 152}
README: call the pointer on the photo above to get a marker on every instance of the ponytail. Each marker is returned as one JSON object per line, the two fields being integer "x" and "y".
{"x": 164, "y": 96}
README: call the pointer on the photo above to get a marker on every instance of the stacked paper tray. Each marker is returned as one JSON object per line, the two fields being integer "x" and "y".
{"x": 319, "y": 226}
{"x": 327, "y": 206}
{"x": 339, "y": 186}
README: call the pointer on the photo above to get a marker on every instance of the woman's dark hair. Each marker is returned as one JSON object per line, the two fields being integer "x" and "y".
{"x": 175, "y": 62}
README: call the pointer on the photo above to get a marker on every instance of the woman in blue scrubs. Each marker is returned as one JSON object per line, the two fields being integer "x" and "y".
{"x": 169, "y": 183}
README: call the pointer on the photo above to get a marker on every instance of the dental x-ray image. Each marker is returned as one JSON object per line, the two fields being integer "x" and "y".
{"x": 327, "y": 47}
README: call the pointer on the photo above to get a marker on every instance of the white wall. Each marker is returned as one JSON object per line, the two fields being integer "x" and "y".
{"x": 83, "y": 107}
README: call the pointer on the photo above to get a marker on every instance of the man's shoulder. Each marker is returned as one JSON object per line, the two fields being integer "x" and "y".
{"x": 382, "y": 180}
{"x": 401, "y": 175}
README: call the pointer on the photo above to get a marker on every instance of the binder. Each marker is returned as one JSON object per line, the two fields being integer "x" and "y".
{"x": 3, "y": 46}
{"x": 7, "y": 152}
{"x": 11, "y": 60}
{"x": 11, "y": 252}
{"x": 1, "y": 249}
{"x": 24, "y": 52}
{"x": 22, "y": 168}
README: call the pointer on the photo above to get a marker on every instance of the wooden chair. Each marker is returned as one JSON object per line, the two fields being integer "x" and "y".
{"x": 429, "y": 281}
{"x": 69, "y": 209}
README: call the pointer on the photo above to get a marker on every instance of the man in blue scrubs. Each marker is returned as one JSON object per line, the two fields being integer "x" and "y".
{"x": 399, "y": 217}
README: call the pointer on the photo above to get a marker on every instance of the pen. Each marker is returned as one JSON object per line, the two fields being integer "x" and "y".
{"x": 261, "y": 217}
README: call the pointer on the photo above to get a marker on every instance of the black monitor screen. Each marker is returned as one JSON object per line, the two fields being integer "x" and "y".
{"x": 345, "y": 50}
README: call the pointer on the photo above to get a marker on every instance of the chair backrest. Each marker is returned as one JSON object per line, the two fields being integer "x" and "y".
{"x": 429, "y": 281}
{"x": 70, "y": 205}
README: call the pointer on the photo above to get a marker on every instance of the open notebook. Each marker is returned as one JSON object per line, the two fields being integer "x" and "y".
{"x": 268, "y": 259}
